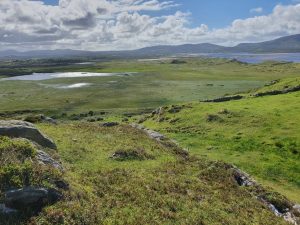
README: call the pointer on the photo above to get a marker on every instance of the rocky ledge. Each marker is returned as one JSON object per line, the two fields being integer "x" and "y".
{"x": 21, "y": 129}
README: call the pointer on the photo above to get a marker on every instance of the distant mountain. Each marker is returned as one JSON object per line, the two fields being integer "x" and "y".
{"x": 288, "y": 44}
{"x": 181, "y": 49}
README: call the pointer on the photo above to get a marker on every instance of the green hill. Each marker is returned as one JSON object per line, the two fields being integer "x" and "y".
{"x": 259, "y": 135}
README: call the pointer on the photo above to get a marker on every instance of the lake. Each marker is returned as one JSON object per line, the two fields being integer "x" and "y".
{"x": 256, "y": 58}
{"x": 47, "y": 76}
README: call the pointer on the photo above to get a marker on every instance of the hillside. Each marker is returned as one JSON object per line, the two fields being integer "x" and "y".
{"x": 119, "y": 173}
{"x": 280, "y": 45}
{"x": 255, "y": 133}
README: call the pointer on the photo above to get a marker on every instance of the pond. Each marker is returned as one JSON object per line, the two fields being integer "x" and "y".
{"x": 48, "y": 76}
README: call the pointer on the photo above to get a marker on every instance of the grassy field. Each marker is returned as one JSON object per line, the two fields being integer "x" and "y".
{"x": 156, "y": 83}
{"x": 259, "y": 135}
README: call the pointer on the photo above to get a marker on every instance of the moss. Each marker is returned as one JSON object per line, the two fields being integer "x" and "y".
{"x": 15, "y": 150}
{"x": 19, "y": 166}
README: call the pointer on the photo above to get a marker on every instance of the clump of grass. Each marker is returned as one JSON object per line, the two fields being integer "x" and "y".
{"x": 19, "y": 167}
{"x": 224, "y": 111}
{"x": 15, "y": 150}
{"x": 131, "y": 154}
{"x": 214, "y": 118}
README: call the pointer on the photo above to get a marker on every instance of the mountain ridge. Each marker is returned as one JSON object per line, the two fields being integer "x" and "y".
{"x": 286, "y": 44}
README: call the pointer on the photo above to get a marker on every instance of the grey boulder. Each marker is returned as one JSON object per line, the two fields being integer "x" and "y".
{"x": 21, "y": 129}
{"x": 7, "y": 211}
{"x": 46, "y": 159}
{"x": 31, "y": 197}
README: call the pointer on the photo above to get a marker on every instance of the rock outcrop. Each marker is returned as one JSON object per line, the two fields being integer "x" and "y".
{"x": 278, "y": 92}
{"x": 225, "y": 98}
{"x": 21, "y": 129}
{"x": 151, "y": 133}
{"x": 46, "y": 159}
{"x": 34, "y": 198}
{"x": 282, "y": 207}
{"x": 110, "y": 124}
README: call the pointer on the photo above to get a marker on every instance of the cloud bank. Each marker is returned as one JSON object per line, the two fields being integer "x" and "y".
{"x": 126, "y": 24}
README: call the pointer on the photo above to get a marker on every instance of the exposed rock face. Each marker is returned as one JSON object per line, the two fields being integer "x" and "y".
{"x": 225, "y": 98}
{"x": 35, "y": 198}
{"x": 151, "y": 133}
{"x": 278, "y": 92}
{"x": 46, "y": 159}
{"x": 242, "y": 178}
{"x": 21, "y": 129}
{"x": 289, "y": 212}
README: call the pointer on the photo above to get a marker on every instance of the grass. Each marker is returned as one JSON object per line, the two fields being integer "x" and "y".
{"x": 165, "y": 189}
{"x": 259, "y": 135}
{"x": 157, "y": 83}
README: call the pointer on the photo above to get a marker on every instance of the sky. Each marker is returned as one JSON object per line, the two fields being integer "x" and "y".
{"x": 130, "y": 24}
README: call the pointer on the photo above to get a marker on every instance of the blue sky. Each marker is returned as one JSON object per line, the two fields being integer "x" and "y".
{"x": 217, "y": 13}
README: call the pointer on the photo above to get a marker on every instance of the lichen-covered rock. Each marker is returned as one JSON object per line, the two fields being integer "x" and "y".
{"x": 46, "y": 159}
{"x": 21, "y": 129}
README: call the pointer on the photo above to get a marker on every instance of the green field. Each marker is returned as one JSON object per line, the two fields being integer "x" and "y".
{"x": 156, "y": 83}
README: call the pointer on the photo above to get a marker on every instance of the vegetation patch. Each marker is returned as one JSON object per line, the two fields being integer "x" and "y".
{"x": 131, "y": 154}
{"x": 214, "y": 118}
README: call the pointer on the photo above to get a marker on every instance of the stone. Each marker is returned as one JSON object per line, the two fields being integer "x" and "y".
{"x": 46, "y": 159}
{"x": 110, "y": 124}
{"x": 49, "y": 120}
{"x": 31, "y": 197}
{"x": 155, "y": 135}
{"x": 225, "y": 98}
{"x": 62, "y": 184}
{"x": 278, "y": 92}
{"x": 22, "y": 129}
{"x": 242, "y": 178}
{"x": 7, "y": 211}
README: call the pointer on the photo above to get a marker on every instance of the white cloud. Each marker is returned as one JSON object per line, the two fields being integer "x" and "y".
{"x": 126, "y": 24}
{"x": 257, "y": 10}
